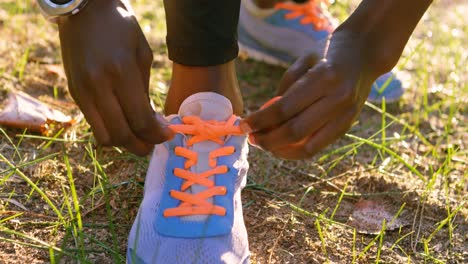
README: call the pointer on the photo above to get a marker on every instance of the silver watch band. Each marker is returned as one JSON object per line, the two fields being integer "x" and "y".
{"x": 52, "y": 10}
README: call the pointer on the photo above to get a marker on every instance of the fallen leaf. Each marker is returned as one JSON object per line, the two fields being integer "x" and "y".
{"x": 23, "y": 111}
{"x": 15, "y": 202}
{"x": 56, "y": 69}
{"x": 368, "y": 216}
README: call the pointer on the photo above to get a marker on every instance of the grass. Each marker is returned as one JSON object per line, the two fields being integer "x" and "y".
{"x": 63, "y": 200}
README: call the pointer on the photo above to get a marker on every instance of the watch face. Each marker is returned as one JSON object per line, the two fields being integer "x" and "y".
{"x": 56, "y": 8}
{"x": 60, "y": 2}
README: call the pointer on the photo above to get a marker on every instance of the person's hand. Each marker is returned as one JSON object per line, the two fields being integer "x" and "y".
{"x": 321, "y": 98}
{"x": 107, "y": 62}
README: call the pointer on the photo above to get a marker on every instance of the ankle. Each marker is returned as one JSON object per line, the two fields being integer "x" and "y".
{"x": 265, "y": 3}
{"x": 188, "y": 80}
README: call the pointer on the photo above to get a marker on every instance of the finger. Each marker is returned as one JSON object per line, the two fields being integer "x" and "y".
{"x": 331, "y": 132}
{"x": 115, "y": 121}
{"x": 89, "y": 110}
{"x": 326, "y": 135}
{"x": 294, "y": 73}
{"x": 137, "y": 108}
{"x": 307, "y": 90}
{"x": 299, "y": 127}
{"x": 145, "y": 60}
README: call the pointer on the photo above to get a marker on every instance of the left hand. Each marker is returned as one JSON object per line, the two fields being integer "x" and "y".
{"x": 321, "y": 98}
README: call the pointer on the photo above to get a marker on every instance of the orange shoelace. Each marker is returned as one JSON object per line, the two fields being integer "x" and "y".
{"x": 201, "y": 130}
{"x": 311, "y": 12}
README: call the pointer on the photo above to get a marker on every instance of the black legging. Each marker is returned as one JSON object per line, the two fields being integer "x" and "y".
{"x": 202, "y": 32}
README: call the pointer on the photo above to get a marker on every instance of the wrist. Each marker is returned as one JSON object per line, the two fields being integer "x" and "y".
{"x": 347, "y": 51}
{"x": 376, "y": 53}
{"x": 384, "y": 27}
{"x": 93, "y": 10}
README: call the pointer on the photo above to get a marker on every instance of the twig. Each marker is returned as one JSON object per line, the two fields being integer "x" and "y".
{"x": 278, "y": 238}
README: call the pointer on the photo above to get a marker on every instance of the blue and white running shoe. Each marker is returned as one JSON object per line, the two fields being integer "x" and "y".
{"x": 191, "y": 210}
{"x": 280, "y": 35}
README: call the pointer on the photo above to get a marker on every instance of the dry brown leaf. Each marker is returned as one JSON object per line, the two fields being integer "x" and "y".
{"x": 23, "y": 111}
{"x": 368, "y": 216}
{"x": 56, "y": 69}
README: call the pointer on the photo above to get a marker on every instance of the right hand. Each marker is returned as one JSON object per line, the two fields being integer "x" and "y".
{"x": 107, "y": 61}
{"x": 322, "y": 96}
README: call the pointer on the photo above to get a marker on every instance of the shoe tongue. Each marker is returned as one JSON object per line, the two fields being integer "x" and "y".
{"x": 207, "y": 106}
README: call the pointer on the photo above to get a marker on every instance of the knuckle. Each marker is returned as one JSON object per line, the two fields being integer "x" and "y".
{"x": 140, "y": 126}
{"x": 144, "y": 133}
{"x": 294, "y": 71}
{"x": 347, "y": 96}
{"x": 331, "y": 73}
{"x": 289, "y": 77}
{"x": 295, "y": 133}
{"x": 119, "y": 64}
{"x": 140, "y": 130}
{"x": 122, "y": 139}
{"x": 103, "y": 140}
{"x": 281, "y": 110}
{"x": 309, "y": 150}
{"x": 94, "y": 73}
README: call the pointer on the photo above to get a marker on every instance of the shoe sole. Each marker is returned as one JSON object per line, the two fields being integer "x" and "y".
{"x": 249, "y": 47}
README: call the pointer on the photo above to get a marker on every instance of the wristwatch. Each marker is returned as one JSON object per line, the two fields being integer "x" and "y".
{"x": 52, "y": 9}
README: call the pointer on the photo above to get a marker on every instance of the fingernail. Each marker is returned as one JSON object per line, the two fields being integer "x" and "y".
{"x": 252, "y": 142}
{"x": 169, "y": 133}
{"x": 244, "y": 127}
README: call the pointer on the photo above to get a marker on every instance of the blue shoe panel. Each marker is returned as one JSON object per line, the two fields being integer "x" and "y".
{"x": 245, "y": 39}
{"x": 387, "y": 86}
{"x": 277, "y": 19}
{"x": 214, "y": 225}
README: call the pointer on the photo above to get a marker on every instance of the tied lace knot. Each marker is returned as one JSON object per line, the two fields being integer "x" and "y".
{"x": 311, "y": 13}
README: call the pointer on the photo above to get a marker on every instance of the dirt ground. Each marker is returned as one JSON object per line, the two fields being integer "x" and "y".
{"x": 295, "y": 211}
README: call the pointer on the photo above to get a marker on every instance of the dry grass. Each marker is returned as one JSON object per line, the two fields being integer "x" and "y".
{"x": 410, "y": 154}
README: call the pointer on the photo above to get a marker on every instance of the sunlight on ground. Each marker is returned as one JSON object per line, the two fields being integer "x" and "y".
{"x": 62, "y": 199}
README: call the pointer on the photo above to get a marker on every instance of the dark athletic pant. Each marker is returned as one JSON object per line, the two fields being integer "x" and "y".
{"x": 202, "y": 32}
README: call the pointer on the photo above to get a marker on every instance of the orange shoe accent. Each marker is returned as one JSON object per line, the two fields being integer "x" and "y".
{"x": 201, "y": 130}
{"x": 191, "y": 156}
{"x": 219, "y": 153}
{"x": 270, "y": 102}
{"x": 310, "y": 11}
